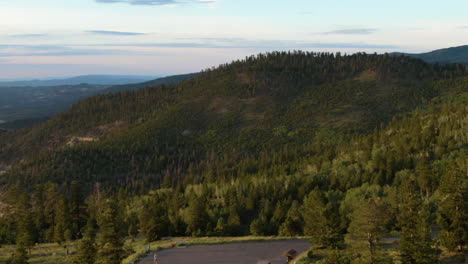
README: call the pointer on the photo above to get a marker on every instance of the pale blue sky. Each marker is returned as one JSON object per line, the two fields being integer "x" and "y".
{"x": 53, "y": 38}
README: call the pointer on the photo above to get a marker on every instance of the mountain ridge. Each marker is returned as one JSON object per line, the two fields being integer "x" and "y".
{"x": 244, "y": 109}
{"x": 93, "y": 79}
{"x": 458, "y": 54}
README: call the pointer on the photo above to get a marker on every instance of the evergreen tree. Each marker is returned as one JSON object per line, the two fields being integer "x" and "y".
{"x": 61, "y": 220}
{"x": 292, "y": 226}
{"x": 154, "y": 221}
{"x": 424, "y": 176}
{"x": 87, "y": 246}
{"x": 368, "y": 224}
{"x": 110, "y": 244}
{"x": 26, "y": 233}
{"x": 453, "y": 209}
{"x": 322, "y": 220}
{"x": 234, "y": 222}
{"x": 221, "y": 227}
{"x": 414, "y": 220}
{"x": 77, "y": 209}
{"x": 197, "y": 216}
{"x": 426, "y": 252}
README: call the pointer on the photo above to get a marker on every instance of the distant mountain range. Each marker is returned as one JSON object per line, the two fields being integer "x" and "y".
{"x": 89, "y": 79}
{"x": 443, "y": 56}
{"x": 27, "y": 105}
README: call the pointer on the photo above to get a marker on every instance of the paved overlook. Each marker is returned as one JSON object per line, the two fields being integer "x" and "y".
{"x": 236, "y": 253}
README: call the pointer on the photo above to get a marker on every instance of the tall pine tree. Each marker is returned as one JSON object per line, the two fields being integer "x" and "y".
{"x": 110, "y": 244}
{"x": 414, "y": 220}
{"x": 453, "y": 207}
{"x": 87, "y": 246}
{"x": 368, "y": 225}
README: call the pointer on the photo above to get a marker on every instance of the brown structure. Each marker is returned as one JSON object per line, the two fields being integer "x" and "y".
{"x": 290, "y": 255}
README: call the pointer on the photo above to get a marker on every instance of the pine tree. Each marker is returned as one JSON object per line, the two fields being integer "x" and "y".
{"x": 368, "y": 224}
{"x": 453, "y": 208}
{"x": 61, "y": 220}
{"x": 154, "y": 221}
{"x": 234, "y": 222}
{"x": 110, "y": 244}
{"x": 322, "y": 220}
{"x": 87, "y": 246}
{"x": 409, "y": 203}
{"x": 292, "y": 226}
{"x": 426, "y": 252}
{"x": 197, "y": 216}
{"x": 221, "y": 227}
{"x": 77, "y": 209}
{"x": 27, "y": 234}
{"x": 414, "y": 220}
{"x": 424, "y": 176}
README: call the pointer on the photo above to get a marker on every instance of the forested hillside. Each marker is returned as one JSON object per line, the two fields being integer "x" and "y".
{"x": 237, "y": 111}
{"x": 404, "y": 176}
{"x": 443, "y": 56}
{"x": 343, "y": 149}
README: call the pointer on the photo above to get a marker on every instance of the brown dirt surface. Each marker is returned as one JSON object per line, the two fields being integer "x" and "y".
{"x": 236, "y": 253}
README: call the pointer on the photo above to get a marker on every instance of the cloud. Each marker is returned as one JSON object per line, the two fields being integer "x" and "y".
{"x": 28, "y": 35}
{"x": 462, "y": 27}
{"x": 156, "y": 2}
{"x": 59, "y": 50}
{"x": 114, "y": 33}
{"x": 239, "y": 43}
{"x": 352, "y": 31}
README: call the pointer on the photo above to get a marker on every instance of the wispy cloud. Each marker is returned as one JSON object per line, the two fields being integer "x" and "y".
{"x": 239, "y": 43}
{"x": 115, "y": 33}
{"x": 28, "y": 35}
{"x": 351, "y": 31}
{"x": 58, "y": 50}
{"x": 156, "y": 2}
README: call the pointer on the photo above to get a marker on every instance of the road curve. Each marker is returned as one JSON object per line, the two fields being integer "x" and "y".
{"x": 235, "y": 253}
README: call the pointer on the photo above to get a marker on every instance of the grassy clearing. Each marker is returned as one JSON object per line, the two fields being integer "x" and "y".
{"x": 43, "y": 253}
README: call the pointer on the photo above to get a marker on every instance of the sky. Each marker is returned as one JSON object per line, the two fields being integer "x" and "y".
{"x": 59, "y": 38}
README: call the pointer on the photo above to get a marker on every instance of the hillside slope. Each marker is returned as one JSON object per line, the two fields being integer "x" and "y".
{"x": 218, "y": 123}
{"x": 443, "y": 56}
{"x": 84, "y": 79}
{"x": 22, "y": 107}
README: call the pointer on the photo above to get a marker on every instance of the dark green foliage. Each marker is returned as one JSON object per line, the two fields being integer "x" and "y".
{"x": 242, "y": 111}
{"x": 26, "y": 232}
{"x": 337, "y": 257}
{"x": 154, "y": 220}
{"x": 87, "y": 246}
{"x": 368, "y": 225}
{"x": 453, "y": 208}
{"x": 292, "y": 226}
{"x": 197, "y": 217}
{"x": 322, "y": 220}
{"x": 416, "y": 244}
{"x": 61, "y": 220}
{"x": 77, "y": 209}
{"x": 20, "y": 256}
{"x": 110, "y": 244}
